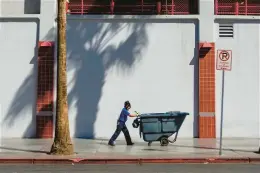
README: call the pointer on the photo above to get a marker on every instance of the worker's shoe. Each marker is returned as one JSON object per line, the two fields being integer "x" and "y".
{"x": 130, "y": 143}
{"x": 111, "y": 143}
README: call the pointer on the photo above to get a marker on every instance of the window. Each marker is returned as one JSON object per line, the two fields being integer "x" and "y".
{"x": 32, "y": 6}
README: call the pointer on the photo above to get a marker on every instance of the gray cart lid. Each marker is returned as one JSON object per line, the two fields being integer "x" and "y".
{"x": 170, "y": 113}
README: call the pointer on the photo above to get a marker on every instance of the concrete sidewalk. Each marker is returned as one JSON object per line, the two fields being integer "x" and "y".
{"x": 97, "y": 151}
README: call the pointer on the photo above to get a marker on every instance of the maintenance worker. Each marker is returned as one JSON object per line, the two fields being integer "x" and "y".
{"x": 121, "y": 126}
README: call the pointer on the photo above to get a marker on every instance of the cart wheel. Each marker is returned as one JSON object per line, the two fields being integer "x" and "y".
{"x": 149, "y": 143}
{"x": 164, "y": 141}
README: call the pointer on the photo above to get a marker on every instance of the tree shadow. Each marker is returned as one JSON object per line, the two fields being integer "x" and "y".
{"x": 20, "y": 102}
{"x": 91, "y": 54}
{"x": 91, "y": 66}
{"x": 22, "y": 98}
{"x": 23, "y": 150}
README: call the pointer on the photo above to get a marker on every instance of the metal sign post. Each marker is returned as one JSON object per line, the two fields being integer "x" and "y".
{"x": 221, "y": 118}
{"x": 1, "y": 126}
{"x": 224, "y": 62}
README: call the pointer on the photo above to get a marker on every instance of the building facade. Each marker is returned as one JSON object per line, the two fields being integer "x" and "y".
{"x": 160, "y": 55}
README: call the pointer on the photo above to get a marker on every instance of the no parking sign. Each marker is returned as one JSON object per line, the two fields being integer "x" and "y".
{"x": 224, "y": 60}
{"x": 224, "y": 63}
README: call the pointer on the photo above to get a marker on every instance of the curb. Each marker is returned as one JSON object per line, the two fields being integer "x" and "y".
{"x": 129, "y": 161}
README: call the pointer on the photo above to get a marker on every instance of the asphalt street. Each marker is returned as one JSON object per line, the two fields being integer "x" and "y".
{"x": 147, "y": 168}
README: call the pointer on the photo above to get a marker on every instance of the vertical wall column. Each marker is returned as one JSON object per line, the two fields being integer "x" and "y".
{"x": 207, "y": 121}
{"x": 45, "y": 90}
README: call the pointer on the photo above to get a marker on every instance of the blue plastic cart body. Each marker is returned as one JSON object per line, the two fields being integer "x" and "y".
{"x": 160, "y": 126}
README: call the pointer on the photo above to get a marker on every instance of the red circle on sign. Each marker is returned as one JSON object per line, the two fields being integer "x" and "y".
{"x": 224, "y": 55}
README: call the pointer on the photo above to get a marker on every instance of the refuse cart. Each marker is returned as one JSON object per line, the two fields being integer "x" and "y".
{"x": 159, "y": 126}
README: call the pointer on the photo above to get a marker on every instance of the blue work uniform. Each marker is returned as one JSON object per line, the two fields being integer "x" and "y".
{"x": 123, "y": 115}
{"x": 122, "y": 127}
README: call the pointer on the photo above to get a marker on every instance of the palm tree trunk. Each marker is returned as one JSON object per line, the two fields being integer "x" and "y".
{"x": 62, "y": 144}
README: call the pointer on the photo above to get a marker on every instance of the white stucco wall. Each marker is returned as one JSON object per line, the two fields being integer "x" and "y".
{"x": 21, "y": 27}
{"x": 241, "y": 99}
{"x": 113, "y": 61}
{"x": 110, "y": 61}
{"x": 18, "y": 74}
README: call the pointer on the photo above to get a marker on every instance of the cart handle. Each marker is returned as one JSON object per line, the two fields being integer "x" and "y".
{"x": 137, "y": 114}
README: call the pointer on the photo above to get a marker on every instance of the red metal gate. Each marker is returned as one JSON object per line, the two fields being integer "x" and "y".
{"x": 237, "y": 7}
{"x": 133, "y": 7}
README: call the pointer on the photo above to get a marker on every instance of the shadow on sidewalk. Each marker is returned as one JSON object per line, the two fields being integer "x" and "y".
{"x": 196, "y": 145}
{"x": 24, "y": 150}
{"x": 202, "y": 147}
{"x": 215, "y": 148}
